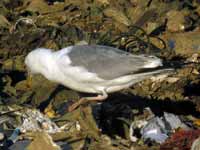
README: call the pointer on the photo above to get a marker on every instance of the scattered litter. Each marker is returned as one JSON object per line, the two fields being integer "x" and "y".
{"x": 194, "y": 58}
{"x": 36, "y": 121}
{"x": 169, "y": 29}
{"x": 181, "y": 140}
{"x": 14, "y": 137}
{"x": 157, "y": 129}
{"x": 173, "y": 121}
{"x": 4, "y": 119}
{"x": 7, "y": 142}
{"x": 20, "y": 145}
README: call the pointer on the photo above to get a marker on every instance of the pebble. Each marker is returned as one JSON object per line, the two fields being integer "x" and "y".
{"x": 1, "y": 136}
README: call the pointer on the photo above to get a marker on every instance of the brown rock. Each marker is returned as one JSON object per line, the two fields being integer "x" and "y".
{"x": 117, "y": 15}
{"x": 176, "y": 21}
{"x": 43, "y": 141}
{"x": 183, "y": 43}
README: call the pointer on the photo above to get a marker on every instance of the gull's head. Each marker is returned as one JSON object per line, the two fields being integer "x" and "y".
{"x": 37, "y": 61}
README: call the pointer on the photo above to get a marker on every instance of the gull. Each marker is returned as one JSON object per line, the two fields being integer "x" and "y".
{"x": 93, "y": 69}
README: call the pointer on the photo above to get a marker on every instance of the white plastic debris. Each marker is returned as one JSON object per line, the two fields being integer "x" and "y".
{"x": 36, "y": 121}
{"x": 138, "y": 124}
{"x": 157, "y": 128}
{"x": 173, "y": 121}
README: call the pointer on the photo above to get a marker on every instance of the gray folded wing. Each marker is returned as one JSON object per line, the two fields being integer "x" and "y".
{"x": 107, "y": 62}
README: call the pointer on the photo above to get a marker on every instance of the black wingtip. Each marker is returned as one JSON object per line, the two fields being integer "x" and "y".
{"x": 177, "y": 64}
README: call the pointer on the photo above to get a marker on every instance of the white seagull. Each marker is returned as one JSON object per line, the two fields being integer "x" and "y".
{"x": 93, "y": 68}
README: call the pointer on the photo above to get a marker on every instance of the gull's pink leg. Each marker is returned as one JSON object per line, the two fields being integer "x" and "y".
{"x": 88, "y": 99}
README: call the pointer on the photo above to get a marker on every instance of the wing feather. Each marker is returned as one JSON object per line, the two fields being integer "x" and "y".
{"x": 107, "y": 62}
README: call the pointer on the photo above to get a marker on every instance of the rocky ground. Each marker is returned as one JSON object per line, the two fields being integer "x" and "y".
{"x": 157, "y": 114}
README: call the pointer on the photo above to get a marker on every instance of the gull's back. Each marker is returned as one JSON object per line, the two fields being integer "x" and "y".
{"x": 109, "y": 63}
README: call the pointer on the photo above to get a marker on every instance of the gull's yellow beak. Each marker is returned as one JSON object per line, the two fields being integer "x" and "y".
{"x": 29, "y": 79}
